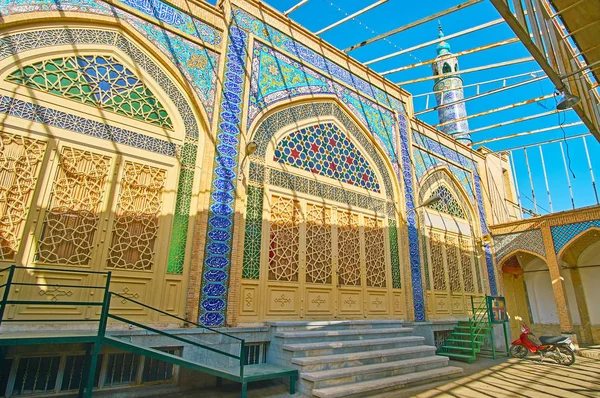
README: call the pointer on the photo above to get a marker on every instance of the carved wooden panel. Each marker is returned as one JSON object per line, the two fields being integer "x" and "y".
{"x": 350, "y": 302}
{"x": 136, "y": 288}
{"x": 282, "y": 301}
{"x": 377, "y": 302}
{"x": 437, "y": 262}
{"x": 458, "y": 304}
{"x": 319, "y": 249}
{"x": 453, "y": 265}
{"x": 399, "y": 304}
{"x": 319, "y": 301}
{"x": 349, "y": 263}
{"x": 249, "y": 300}
{"x": 284, "y": 240}
{"x": 442, "y": 304}
{"x": 375, "y": 264}
{"x": 467, "y": 265}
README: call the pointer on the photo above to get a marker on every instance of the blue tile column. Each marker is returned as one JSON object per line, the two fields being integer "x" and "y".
{"x": 411, "y": 218}
{"x": 217, "y": 263}
{"x": 484, "y": 230}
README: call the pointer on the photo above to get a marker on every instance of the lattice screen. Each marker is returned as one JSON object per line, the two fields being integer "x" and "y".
{"x": 453, "y": 265}
{"x": 20, "y": 160}
{"x": 284, "y": 242}
{"x": 318, "y": 244}
{"x": 375, "y": 252}
{"x": 437, "y": 262}
{"x": 72, "y": 215}
{"x": 135, "y": 228}
{"x": 467, "y": 265}
{"x": 348, "y": 249}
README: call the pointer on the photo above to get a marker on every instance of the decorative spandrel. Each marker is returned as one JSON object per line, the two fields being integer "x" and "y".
{"x": 375, "y": 252}
{"x": 348, "y": 249}
{"x": 20, "y": 160}
{"x": 318, "y": 244}
{"x": 284, "y": 240}
{"x": 136, "y": 224}
{"x": 447, "y": 203}
{"x": 73, "y": 212}
{"x": 95, "y": 80}
{"x": 325, "y": 150}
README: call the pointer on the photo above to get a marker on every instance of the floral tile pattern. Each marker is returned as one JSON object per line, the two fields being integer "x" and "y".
{"x": 563, "y": 234}
{"x": 531, "y": 241}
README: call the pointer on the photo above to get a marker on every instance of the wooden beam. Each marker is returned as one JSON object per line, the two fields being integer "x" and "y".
{"x": 413, "y": 24}
{"x": 351, "y": 16}
{"x": 295, "y": 7}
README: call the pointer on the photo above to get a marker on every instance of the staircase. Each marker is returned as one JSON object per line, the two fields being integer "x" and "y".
{"x": 468, "y": 337}
{"x": 355, "y": 358}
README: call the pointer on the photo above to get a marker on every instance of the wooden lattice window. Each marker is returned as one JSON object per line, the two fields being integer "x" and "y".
{"x": 72, "y": 216}
{"x": 375, "y": 252}
{"x": 135, "y": 228}
{"x": 448, "y": 203}
{"x": 284, "y": 240}
{"x": 437, "y": 262}
{"x": 95, "y": 80}
{"x": 20, "y": 160}
{"x": 467, "y": 265}
{"x": 318, "y": 244}
{"x": 348, "y": 249}
{"x": 453, "y": 265}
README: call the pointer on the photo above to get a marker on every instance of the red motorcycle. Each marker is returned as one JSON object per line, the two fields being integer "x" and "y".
{"x": 559, "y": 348}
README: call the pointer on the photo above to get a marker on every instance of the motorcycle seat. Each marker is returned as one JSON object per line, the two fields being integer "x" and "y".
{"x": 552, "y": 339}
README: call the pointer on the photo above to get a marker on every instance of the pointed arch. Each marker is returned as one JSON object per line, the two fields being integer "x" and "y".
{"x": 573, "y": 248}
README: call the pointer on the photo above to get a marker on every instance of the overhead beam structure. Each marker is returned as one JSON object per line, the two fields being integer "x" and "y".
{"x": 543, "y": 39}
{"x": 295, "y": 7}
{"x": 351, "y": 16}
{"x": 438, "y": 40}
{"x": 458, "y": 54}
{"x": 465, "y": 71}
{"x": 413, "y": 24}
{"x": 506, "y": 137}
{"x": 519, "y": 120}
{"x": 502, "y": 108}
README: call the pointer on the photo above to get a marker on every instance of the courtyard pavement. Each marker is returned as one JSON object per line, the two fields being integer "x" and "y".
{"x": 485, "y": 378}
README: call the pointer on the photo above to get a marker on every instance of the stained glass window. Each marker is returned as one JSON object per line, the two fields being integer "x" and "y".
{"x": 447, "y": 203}
{"x": 95, "y": 80}
{"x": 325, "y": 150}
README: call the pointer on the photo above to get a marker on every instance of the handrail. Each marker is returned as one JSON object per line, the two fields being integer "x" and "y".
{"x": 174, "y": 316}
{"x": 173, "y": 336}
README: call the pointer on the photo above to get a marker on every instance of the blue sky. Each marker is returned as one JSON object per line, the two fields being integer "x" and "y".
{"x": 317, "y": 14}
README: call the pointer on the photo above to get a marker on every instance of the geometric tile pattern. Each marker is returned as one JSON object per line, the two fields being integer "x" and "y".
{"x": 198, "y": 64}
{"x": 276, "y": 77}
{"x": 287, "y": 44}
{"x": 447, "y": 203}
{"x": 217, "y": 258}
{"x": 411, "y": 218}
{"x": 563, "y": 234}
{"x": 42, "y": 39}
{"x": 253, "y": 233}
{"x": 97, "y": 81}
{"x": 531, "y": 241}
{"x": 325, "y": 150}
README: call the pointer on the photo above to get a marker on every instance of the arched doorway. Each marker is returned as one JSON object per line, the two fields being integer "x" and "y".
{"x": 453, "y": 273}
{"x": 93, "y": 126}
{"x": 580, "y": 268}
{"x": 321, "y": 236}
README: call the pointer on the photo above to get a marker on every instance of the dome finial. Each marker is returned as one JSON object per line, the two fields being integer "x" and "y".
{"x": 441, "y": 34}
{"x": 443, "y": 48}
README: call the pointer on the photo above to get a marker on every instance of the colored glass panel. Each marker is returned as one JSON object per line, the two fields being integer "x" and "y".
{"x": 325, "y": 150}
{"x": 97, "y": 81}
{"x": 447, "y": 203}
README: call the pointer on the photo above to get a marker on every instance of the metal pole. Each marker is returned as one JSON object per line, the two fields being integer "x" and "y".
{"x": 458, "y": 54}
{"x": 502, "y": 108}
{"x": 526, "y": 133}
{"x": 484, "y": 94}
{"x": 512, "y": 163}
{"x": 457, "y": 34}
{"x": 543, "y": 142}
{"x": 530, "y": 181}
{"x": 567, "y": 174}
{"x": 545, "y": 179}
{"x": 484, "y": 82}
{"x": 295, "y": 7}
{"x": 465, "y": 71}
{"x": 587, "y": 154}
{"x": 521, "y": 119}
{"x": 413, "y": 24}
{"x": 349, "y": 17}
{"x": 11, "y": 274}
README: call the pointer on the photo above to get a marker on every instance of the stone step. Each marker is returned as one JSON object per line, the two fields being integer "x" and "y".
{"x": 366, "y": 388}
{"x": 339, "y": 361}
{"x": 340, "y": 335}
{"x": 287, "y": 326}
{"x": 341, "y": 347}
{"x": 329, "y": 378}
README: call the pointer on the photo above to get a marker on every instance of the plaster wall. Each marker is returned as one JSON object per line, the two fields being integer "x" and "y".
{"x": 588, "y": 262}
{"x": 539, "y": 291}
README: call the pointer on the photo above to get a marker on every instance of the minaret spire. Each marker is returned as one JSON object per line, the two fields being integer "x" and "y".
{"x": 449, "y": 89}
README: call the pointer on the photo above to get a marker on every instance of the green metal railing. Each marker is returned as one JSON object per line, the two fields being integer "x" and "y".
{"x": 100, "y": 338}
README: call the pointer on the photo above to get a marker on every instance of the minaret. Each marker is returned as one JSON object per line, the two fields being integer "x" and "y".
{"x": 451, "y": 90}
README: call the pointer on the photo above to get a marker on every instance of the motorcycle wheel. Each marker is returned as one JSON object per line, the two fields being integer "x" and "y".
{"x": 567, "y": 357}
{"x": 518, "y": 351}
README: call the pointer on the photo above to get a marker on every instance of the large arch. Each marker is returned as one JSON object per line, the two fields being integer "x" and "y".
{"x": 267, "y": 178}
{"x": 171, "y": 153}
{"x": 451, "y": 259}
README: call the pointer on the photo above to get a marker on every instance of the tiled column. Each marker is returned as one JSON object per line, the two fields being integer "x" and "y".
{"x": 558, "y": 284}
